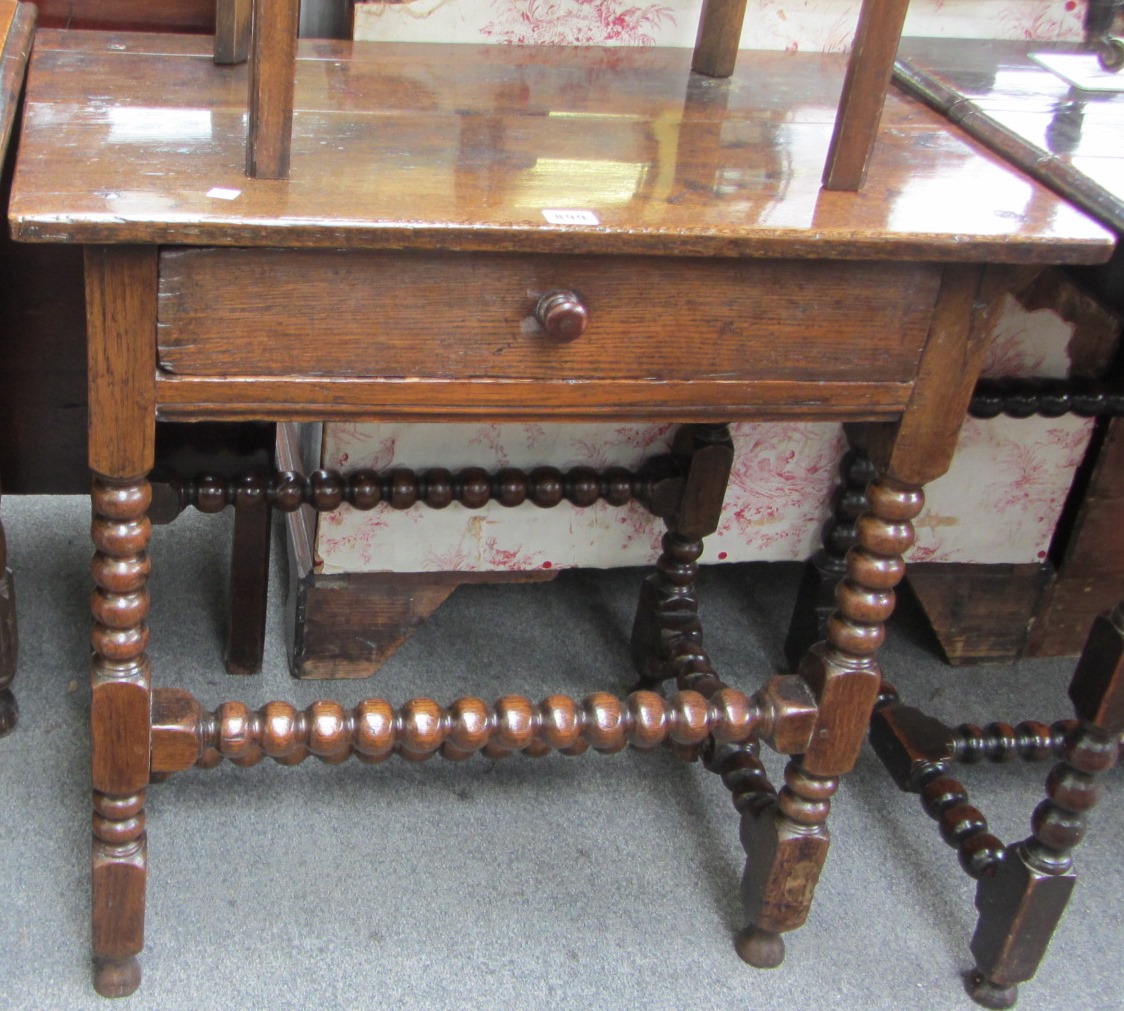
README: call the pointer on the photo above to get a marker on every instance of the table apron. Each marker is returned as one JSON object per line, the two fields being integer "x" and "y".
{"x": 458, "y": 331}
{"x": 309, "y": 399}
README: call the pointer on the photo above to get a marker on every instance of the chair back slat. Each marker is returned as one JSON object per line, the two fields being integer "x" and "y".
{"x": 273, "y": 59}
{"x": 270, "y": 29}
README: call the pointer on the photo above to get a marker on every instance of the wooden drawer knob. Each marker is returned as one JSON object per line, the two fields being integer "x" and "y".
{"x": 562, "y": 315}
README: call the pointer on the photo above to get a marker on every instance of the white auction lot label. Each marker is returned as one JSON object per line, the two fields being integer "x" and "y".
{"x": 571, "y": 217}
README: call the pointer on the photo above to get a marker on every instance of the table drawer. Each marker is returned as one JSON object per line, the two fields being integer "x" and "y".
{"x": 242, "y": 312}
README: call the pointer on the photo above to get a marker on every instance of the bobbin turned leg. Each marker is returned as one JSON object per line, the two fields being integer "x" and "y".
{"x": 786, "y": 843}
{"x": 8, "y": 642}
{"x": 815, "y": 600}
{"x": 119, "y": 711}
{"x": 121, "y": 346}
{"x": 689, "y": 499}
{"x": 1020, "y": 905}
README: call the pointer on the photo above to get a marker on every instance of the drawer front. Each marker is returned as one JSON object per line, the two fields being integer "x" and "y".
{"x": 444, "y": 316}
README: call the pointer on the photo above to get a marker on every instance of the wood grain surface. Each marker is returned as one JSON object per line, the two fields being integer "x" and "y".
{"x": 449, "y": 315}
{"x": 273, "y": 52}
{"x": 121, "y": 359}
{"x": 464, "y": 147}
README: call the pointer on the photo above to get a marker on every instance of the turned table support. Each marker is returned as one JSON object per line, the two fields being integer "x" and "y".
{"x": 786, "y": 843}
{"x": 185, "y": 735}
{"x": 689, "y": 499}
{"x": 1021, "y": 902}
{"x": 1022, "y": 889}
{"x": 120, "y": 318}
{"x": 815, "y": 600}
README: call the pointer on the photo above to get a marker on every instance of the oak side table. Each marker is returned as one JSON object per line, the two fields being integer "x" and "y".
{"x": 515, "y": 234}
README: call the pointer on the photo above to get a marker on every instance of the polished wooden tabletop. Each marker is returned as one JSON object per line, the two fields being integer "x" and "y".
{"x": 1071, "y": 138}
{"x": 131, "y": 138}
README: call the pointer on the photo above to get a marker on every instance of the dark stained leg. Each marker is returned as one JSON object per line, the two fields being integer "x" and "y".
{"x": 786, "y": 842}
{"x": 235, "y": 459}
{"x": 718, "y": 36}
{"x": 1020, "y": 905}
{"x": 689, "y": 499}
{"x": 249, "y": 583}
{"x": 815, "y": 600}
{"x": 273, "y": 53}
{"x": 121, "y": 344}
{"x": 864, "y": 92}
{"x": 119, "y": 713}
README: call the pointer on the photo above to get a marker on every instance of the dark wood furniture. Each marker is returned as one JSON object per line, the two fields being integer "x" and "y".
{"x": 1070, "y": 140}
{"x": 349, "y": 624}
{"x": 43, "y": 382}
{"x": 1022, "y": 889}
{"x": 17, "y": 23}
{"x": 718, "y": 279}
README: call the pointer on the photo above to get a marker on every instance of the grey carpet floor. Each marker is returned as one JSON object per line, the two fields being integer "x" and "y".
{"x": 592, "y": 882}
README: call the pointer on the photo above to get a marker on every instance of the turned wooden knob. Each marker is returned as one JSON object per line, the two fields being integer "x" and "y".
{"x": 562, "y": 315}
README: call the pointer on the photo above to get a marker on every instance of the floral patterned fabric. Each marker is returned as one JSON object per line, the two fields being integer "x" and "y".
{"x": 1009, "y": 477}
{"x": 808, "y": 25}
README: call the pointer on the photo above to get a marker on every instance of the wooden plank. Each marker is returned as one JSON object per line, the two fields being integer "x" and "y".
{"x": 17, "y": 25}
{"x": 313, "y": 399}
{"x": 273, "y": 55}
{"x": 259, "y": 313}
{"x": 979, "y": 613}
{"x": 348, "y": 626}
{"x": 7, "y": 16}
{"x": 615, "y": 84}
{"x": 864, "y": 93}
{"x": 121, "y": 359}
{"x": 919, "y": 448}
{"x": 381, "y": 159}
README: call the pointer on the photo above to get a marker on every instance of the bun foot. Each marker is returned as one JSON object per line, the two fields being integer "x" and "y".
{"x": 988, "y": 994}
{"x": 9, "y": 712}
{"x": 763, "y": 949}
{"x": 116, "y": 977}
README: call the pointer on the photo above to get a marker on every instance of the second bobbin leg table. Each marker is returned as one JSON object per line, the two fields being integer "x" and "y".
{"x": 417, "y": 274}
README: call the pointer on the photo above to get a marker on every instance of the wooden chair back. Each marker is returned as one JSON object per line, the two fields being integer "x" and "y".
{"x": 265, "y": 32}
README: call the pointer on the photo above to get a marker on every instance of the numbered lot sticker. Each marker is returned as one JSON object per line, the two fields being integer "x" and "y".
{"x": 571, "y": 217}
